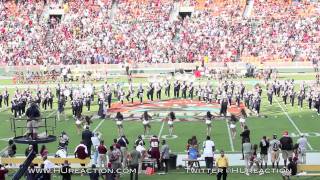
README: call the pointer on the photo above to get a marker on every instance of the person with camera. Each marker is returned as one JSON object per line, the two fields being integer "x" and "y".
{"x": 33, "y": 114}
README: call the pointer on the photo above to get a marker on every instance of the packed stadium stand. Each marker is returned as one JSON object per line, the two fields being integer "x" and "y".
{"x": 157, "y": 31}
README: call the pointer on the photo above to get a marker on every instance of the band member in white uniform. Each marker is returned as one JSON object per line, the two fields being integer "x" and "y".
{"x": 208, "y": 120}
{"x": 146, "y": 123}
{"x": 184, "y": 88}
{"x": 108, "y": 95}
{"x": 199, "y": 92}
{"x": 190, "y": 89}
{"x": 171, "y": 118}
{"x": 140, "y": 93}
{"x": 130, "y": 93}
{"x": 209, "y": 94}
{"x": 121, "y": 95}
{"x": 119, "y": 121}
{"x": 158, "y": 88}
{"x": 167, "y": 88}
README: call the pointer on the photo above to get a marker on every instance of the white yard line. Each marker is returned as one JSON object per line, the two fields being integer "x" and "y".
{"x": 3, "y": 150}
{"x": 292, "y": 122}
{"x": 100, "y": 123}
{"x": 230, "y": 138}
{"x": 161, "y": 129}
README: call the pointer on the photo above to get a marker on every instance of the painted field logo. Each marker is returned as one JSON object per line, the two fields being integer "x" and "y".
{"x": 307, "y": 134}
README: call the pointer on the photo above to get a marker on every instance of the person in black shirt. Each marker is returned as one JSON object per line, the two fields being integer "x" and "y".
{"x": 286, "y": 145}
{"x": 30, "y": 174}
{"x": 245, "y": 135}
{"x": 291, "y": 170}
{"x": 123, "y": 142}
{"x": 94, "y": 173}
{"x": 33, "y": 114}
{"x": 139, "y": 141}
{"x": 86, "y": 138}
{"x": 1, "y": 97}
{"x": 65, "y": 171}
{"x": 176, "y": 89}
{"x": 264, "y": 147}
{"x": 224, "y": 107}
{"x": 43, "y": 175}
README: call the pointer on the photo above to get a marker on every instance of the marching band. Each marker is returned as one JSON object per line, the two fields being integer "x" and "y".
{"x": 226, "y": 94}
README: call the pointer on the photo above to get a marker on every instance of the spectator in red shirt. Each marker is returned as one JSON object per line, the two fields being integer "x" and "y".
{"x": 81, "y": 152}
{"x": 3, "y": 172}
{"x": 102, "y": 150}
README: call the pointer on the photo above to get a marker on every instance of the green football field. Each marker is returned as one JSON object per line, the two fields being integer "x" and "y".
{"x": 274, "y": 120}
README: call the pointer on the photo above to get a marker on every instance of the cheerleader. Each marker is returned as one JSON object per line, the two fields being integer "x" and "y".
{"x": 208, "y": 120}
{"x": 171, "y": 118}
{"x": 232, "y": 126}
{"x": 87, "y": 121}
{"x": 146, "y": 122}
{"x": 140, "y": 93}
{"x": 79, "y": 123}
{"x": 119, "y": 120}
{"x": 242, "y": 119}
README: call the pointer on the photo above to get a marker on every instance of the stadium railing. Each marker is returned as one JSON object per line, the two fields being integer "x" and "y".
{"x": 308, "y": 170}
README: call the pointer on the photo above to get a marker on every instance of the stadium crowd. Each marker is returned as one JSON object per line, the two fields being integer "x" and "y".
{"x": 141, "y": 31}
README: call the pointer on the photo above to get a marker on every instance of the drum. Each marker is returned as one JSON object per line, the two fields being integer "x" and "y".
{"x": 119, "y": 123}
{"x": 208, "y": 122}
{"x": 145, "y": 122}
{"x": 170, "y": 122}
{"x": 242, "y": 120}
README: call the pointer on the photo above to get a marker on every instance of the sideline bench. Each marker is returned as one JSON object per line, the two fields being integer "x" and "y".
{"x": 303, "y": 169}
{"x": 38, "y": 160}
